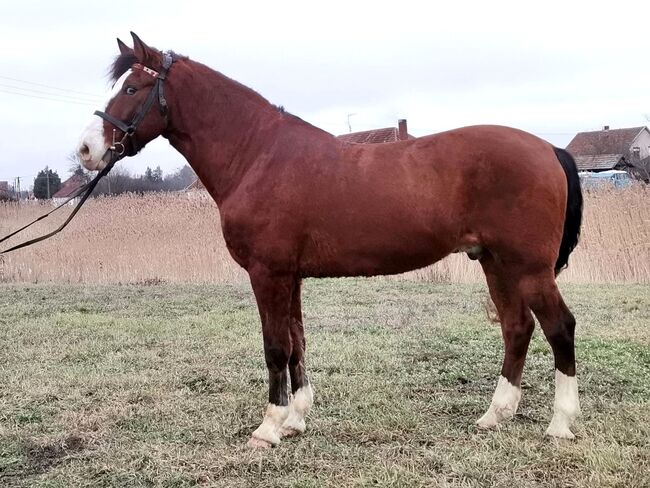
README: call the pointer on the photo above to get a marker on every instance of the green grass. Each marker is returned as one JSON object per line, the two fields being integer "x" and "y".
{"x": 163, "y": 385}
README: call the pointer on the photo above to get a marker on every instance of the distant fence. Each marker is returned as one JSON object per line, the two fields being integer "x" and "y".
{"x": 176, "y": 237}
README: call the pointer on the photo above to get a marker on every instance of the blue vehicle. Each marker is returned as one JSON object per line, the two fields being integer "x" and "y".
{"x": 605, "y": 179}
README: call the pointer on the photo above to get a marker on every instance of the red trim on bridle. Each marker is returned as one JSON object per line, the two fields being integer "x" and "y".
{"x": 149, "y": 71}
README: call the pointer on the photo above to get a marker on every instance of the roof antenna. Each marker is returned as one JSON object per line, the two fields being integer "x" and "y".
{"x": 350, "y": 125}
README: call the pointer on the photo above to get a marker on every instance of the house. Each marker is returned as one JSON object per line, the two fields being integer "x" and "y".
{"x": 68, "y": 187}
{"x": 377, "y": 136}
{"x": 613, "y": 149}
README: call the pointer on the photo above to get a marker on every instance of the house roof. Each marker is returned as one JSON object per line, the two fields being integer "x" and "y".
{"x": 69, "y": 186}
{"x": 597, "y": 162}
{"x": 196, "y": 185}
{"x": 604, "y": 142}
{"x": 375, "y": 136}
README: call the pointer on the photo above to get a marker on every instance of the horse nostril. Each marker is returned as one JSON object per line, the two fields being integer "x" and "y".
{"x": 84, "y": 152}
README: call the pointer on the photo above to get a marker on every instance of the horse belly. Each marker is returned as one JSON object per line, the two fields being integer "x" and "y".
{"x": 370, "y": 254}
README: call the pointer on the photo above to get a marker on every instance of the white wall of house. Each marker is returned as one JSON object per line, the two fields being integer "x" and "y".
{"x": 642, "y": 141}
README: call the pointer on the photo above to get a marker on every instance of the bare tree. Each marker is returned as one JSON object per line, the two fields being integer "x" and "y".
{"x": 640, "y": 168}
{"x": 75, "y": 167}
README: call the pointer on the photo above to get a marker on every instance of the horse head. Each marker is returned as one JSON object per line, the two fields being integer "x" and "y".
{"x": 136, "y": 109}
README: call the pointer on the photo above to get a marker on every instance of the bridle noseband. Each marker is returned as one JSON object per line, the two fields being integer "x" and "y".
{"x": 117, "y": 148}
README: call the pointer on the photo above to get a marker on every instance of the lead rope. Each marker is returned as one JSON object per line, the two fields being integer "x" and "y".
{"x": 88, "y": 188}
{"x": 115, "y": 156}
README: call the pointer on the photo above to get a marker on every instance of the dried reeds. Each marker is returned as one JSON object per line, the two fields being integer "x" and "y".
{"x": 176, "y": 237}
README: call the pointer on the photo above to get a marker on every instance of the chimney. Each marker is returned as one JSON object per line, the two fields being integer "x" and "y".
{"x": 402, "y": 131}
{"x": 606, "y": 127}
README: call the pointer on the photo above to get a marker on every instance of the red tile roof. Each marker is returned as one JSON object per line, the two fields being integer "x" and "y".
{"x": 600, "y": 142}
{"x": 196, "y": 185}
{"x": 375, "y": 136}
{"x": 69, "y": 186}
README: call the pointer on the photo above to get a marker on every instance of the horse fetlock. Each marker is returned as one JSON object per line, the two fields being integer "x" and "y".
{"x": 566, "y": 408}
{"x": 295, "y": 423}
{"x": 504, "y": 404}
{"x": 302, "y": 400}
{"x": 269, "y": 430}
{"x": 299, "y": 406}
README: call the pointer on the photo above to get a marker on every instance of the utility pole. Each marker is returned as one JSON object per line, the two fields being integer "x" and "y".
{"x": 18, "y": 187}
{"x": 47, "y": 174}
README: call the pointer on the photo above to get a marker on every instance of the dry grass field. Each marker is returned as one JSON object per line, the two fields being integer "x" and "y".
{"x": 176, "y": 238}
{"x": 161, "y": 386}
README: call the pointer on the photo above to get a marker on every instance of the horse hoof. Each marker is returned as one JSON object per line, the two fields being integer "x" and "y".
{"x": 256, "y": 443}
{"x": 289, "y": 432}
{"x": 560, "y": 433}
{"x": 487, "y": 421}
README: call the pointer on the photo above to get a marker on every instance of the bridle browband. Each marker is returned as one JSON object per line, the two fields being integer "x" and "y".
{"x": 114, "y": 153}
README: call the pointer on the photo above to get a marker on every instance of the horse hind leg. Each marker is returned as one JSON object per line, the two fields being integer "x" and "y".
{"x": 558, "y": 325}
{"x": 302, "y": 395}
{"x": 517, "y": 325}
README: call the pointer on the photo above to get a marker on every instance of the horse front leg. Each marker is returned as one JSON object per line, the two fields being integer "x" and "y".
{"x": 273, "y": 293}
{"x": 302, "y": 395}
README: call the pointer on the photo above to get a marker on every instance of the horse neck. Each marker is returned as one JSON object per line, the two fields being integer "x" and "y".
{"x": 218, "y": 125}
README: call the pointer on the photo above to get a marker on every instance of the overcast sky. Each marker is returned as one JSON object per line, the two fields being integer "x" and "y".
{"x": 552, "y": 68}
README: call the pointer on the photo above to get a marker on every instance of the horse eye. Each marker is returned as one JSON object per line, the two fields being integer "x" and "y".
{"x": 130, "y": 90}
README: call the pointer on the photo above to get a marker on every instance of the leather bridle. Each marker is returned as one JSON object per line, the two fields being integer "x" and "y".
{"x": 128, "y": 128}
{"x": 114, "y": 153}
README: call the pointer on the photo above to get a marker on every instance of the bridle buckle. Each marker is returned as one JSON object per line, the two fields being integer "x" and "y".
{"x": 118, "y": 144}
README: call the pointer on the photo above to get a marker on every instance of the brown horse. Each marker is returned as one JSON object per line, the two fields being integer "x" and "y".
{"x": 296, "y": 202}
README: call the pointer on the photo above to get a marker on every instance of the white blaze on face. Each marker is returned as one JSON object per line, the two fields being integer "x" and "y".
{"x": 92, "y": 145}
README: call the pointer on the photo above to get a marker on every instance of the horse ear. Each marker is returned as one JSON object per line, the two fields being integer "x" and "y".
{"x": 143, "y": 53}
{"x": 124, "y": 49}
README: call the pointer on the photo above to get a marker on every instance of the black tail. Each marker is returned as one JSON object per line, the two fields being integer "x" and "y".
{"x": 573, "y": 216}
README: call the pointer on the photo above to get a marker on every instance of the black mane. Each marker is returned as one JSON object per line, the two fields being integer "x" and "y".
{"x": 121, "y": 65}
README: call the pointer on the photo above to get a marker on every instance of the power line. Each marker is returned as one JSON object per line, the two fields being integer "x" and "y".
{"x": 49, "y": 86}
{"x": 87, "y": 103}
{"x": 25, "y": 177}
{"x": 43, "y": 92}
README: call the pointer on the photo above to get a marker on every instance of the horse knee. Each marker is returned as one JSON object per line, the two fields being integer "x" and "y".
{"x": 276, "y": 356}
